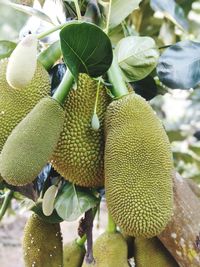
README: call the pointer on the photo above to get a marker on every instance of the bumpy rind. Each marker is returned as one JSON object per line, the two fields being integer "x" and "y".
{"x": 110, "y": 250}
{"x": 42, "y": 244}
{"x": 152, "y": 253}
{"x": 79, "y": 154}
{"x": 138, "y": 167}
{"x": 31, "y": 143}
{"x": 73, "y": 254}
{"x": 15, "y": 104}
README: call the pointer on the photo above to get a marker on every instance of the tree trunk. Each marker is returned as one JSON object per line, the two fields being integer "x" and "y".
{"x": 182, "y": 235}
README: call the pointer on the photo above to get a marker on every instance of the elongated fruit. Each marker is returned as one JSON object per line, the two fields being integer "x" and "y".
{"x": 152, "y": 253}
{"x": 73, "y": 254}
{"x": 42, "y": 244}
{"x": 138, "y": 167}
{"x": 110, "y": 250}
{"x": 31, "y": 143}
{"x": 80, "y": 150}
{"x": 22, "y": 62}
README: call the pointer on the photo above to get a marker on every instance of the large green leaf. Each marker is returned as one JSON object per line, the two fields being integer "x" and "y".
{"x": 121, "y": 9}
{"x": 178, "y": 66}
{"x": 6, "y": 48}
{"x": 72, "y": 202}
{"x": 137, "y": 56}
{"x": 172, "y": 11}
{"x": 86, "y": 49}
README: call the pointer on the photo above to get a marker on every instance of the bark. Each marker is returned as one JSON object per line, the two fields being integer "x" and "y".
{"x": 182, "y": 235}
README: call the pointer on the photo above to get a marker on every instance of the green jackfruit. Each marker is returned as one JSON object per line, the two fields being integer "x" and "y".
{"x": 80, "y": 149}
{"x": 42, "y": 244}
{"x": 15, "y": 104}
{"x": 110, "y": 250}
{"x": 152, "y": 253}
{"x": 31, "y": 143}
{"x": 73, "y": 254}
{"x": 138, "y": 167}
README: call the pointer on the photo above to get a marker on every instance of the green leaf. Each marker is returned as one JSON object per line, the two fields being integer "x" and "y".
{"x": 28, "y": 10}
{"x": 72, "y": 202}
{"x": 175, "y": 135}
{"x": 86, "y": 49}
{"x": 121, "y": 9}
{"x": 6, "y": 48}
{"x": 172, "y": 11}
{"x": 137, "y": 57}
{"x": 178, "y": 66}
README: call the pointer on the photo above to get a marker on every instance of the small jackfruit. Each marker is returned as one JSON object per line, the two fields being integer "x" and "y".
{"x": 31, "y": 143}
{"x": 152, "y": 253}
{"x": 79, "y": 153}
{"x": 16, "y": 104}
{"x": 110, "y": 250}
{"x": 42, "y": 244}
{"x": 138, "y": 167}
{"x": 73, "y": 254}
{"x": 22, "y": 62}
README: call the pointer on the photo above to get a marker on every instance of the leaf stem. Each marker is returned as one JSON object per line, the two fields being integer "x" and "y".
{"x": 81, "y": 240}
{"x": 111, "y": 226}
{"x": 54, "y": 29}
{"x": 116, "y": 78}
{"x": 6, "y": 203}
{"x": 64, "y": 87}
{"x": 78, "y": 11}
{"x": 108, "y": 18}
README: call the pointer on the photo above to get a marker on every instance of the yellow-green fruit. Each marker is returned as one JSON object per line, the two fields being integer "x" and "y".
{"x": 80, "y": 149}
{"x": 31, "y": 143}
{"x": 110, "y": 250}
{"x": 15, "y": 104}
{"x": 138, "y": 167}
{"x": 152, "y": 253}
{"x": 42, "y": 244}
{"x": 73, "y": 254}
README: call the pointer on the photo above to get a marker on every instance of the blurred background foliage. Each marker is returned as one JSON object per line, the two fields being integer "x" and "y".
{"x": 167, "y": 22}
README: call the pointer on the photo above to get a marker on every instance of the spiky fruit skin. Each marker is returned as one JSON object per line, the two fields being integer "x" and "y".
{"x": 31, "y": 143}
{"x": 80, "y": 149}
{"x": 15, "y": 104}
{"x": 138, "y": 167}
{"x": 73, "y": 254}
{"x": 152, "y": 253}
{"x": 110, "y": 250}
{"x": 42, "y": 244}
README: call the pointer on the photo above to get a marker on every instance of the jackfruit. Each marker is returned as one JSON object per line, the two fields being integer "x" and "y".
{"x": 73, "y": 254}
{"x": 22, "y": 62}
{"x": 152, "y": 253}
{"x": 110, "y": 250}
{"x": 31, "y": 143}
{"x": 42, "y": 244}
{"x": 80, "y": 150}
{"x": 138, "y": 167}
{"x": 16, "y": 104}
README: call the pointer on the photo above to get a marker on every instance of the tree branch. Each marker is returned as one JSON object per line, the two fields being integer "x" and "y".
{"x": 182, "y": 235}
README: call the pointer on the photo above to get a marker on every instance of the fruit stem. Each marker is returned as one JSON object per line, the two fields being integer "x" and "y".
{"x": 64, "y": 87}
{"x": 116, "y": 78}
{"x": 6, "y": 203}
{"x": 81, "y": 240}
{"x": 111, "y": 227}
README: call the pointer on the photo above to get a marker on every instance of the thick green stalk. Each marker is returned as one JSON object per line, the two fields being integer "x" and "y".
{"x": 116, "y": 78}
{"x": 6, "y": 203}
{"x": 111, "y": 226}
{"x": 64, "y": 87}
